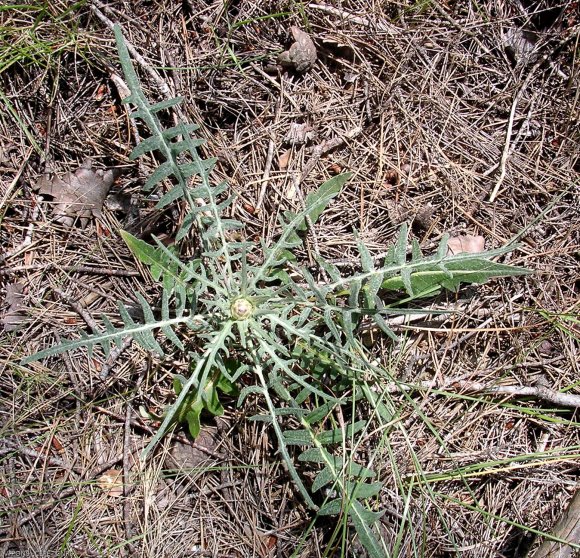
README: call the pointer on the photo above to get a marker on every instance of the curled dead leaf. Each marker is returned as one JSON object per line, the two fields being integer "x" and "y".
{"x": 301, "y": 55}
{"x": 77, "y": 195}
{"x": 111, "y": 482}
{"x": 466, "y": 243}
{"x": 14, "y": 315}
{"x": 249, "y": 208}
{"x": 284, "y": 159}
{"x": 392, "y": 177}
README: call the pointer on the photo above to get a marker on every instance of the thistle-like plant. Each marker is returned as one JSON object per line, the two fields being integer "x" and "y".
{"x": 251, "y": 320}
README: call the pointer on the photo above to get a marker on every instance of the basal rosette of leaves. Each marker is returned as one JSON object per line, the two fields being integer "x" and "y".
{"x": 270, "y": 328}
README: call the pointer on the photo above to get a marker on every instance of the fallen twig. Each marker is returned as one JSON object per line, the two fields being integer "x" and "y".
{"x": 164, "y": 89}
{"x": 69, "y": 268}
{"x": 66, "y": 493}
{"x": 379, "y": 25}
{"x": 127, "y": 480}
{"x": 78, "y": 308}
{"x": 9, "y": 446}
{"x": 116, "y": 352}
{"x": 568, "y": 529}
{"x": 507, "y": 145}
{"x": 266, "y": 175}
{"x": 539, "y": 392}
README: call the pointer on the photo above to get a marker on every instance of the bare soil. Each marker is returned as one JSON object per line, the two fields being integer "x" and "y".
{"x": 456, "y": 117}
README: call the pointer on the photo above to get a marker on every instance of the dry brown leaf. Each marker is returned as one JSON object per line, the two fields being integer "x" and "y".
{"x": 77, "y": 195}
{"x": 290, "y": 192}
{"x": 284, "y": 159}
{"x": 301, "y": 56}
{"x": 466, "y": 243}
{"x": 14, "y": 316}
{"x": 111, "y": 482}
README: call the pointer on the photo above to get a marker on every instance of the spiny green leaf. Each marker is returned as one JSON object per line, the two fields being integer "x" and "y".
{"x": 317, "y": 201}
{"x": 163, "y": 171}
{"x": 471, "y": 268}
{"x": 145, "y": 146}
{"x": 162, "y": 105}
{"x": 132, "y": 329}
{"x": 193, "y": 419}
{"x": 400, "y": 249}
{"x": 314, "y": 455}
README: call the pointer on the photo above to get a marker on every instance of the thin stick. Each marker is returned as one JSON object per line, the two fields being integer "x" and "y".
{"x": 539, "y": 392}
{"x": 127, "y": 480}
{"x": 79, "y": 309}
{"x": 96, "y": 7}
{"x": 266, "y": 175}
{"x": 506, "y": 148}
{"x": 381, "y": 25}
{"x": 71, "y": 268}
{"x": 8, "y": 446}
{"x": 66, "y": 493}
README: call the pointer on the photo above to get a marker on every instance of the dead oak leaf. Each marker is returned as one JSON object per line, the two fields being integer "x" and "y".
{"x": 466, "y": 243}
{"x": 78, "y": 194}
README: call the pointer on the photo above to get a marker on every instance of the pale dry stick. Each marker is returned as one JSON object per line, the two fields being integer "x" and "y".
{"x": 379, "y": 25}
{"x": 8, "y": 446}
{"x": 266, "y": 176}
{"x": 518, "y": 96}
{"x": 506, "y": 149}
{"x": 78, "y": 308}
{"x": 71, "y": 268}
{"x": 96, "y": 7}
{"x": 127, "y": 480}
{"x": 124, "y": 92}
{"x": 519, "y": 135}
{"x": 567, "y": 528}
{"x": 114, "y": 355}
{"x": 539, "y": 392}
{"x": 116, "y": 351}
{"x": 66, "y": 493}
